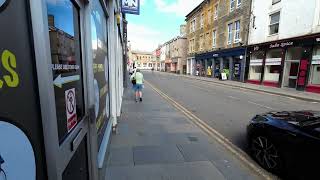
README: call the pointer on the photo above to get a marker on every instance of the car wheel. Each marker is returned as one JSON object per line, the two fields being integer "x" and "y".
{"x": 266, "y": 153}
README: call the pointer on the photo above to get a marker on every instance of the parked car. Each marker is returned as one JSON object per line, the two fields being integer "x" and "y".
{"x": 287, "y": 143}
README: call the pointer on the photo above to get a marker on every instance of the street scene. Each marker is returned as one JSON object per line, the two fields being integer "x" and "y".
{"x": 159, "y": 89}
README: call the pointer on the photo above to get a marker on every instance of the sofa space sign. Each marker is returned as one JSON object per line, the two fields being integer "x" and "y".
{"x": 282, "y": 45}
{"x": 8, "y": 76}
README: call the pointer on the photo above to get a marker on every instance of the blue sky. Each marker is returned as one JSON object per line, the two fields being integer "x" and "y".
{"x": 158, "y": 22}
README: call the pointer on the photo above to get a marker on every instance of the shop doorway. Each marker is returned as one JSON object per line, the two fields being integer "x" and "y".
{"x": 291, "y": 67}
{"x": 291, "y": 73}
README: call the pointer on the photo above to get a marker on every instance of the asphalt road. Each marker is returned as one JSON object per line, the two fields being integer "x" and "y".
{"x": 228, "y": 110}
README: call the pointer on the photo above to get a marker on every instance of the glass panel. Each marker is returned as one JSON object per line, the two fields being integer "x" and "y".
{"x": 274, "y": 29}
{"x": 100, "y": 68}
{"x": 315, "y": 75}
{"x": 63, "y": 20}
{"x": 274, "y": 18}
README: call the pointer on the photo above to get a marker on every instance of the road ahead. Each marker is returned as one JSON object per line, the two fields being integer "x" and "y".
{"x": 226, "y": 109}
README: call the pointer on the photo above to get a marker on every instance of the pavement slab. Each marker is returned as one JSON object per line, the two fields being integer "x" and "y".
{"x": 156, "y": 142}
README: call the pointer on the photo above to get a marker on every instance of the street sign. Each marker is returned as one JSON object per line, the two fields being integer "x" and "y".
{"x": 60, "y": 81}
{"x": 70, "y": 98}
{"x": 130, "y": 6}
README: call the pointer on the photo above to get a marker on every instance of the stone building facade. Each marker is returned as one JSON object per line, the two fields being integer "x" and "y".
{"x": 217, "y": 39}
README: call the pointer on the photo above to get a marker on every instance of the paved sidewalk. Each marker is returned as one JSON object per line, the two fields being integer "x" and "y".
{"x": 293, "y": 93}
{"x": 156, "y": 142}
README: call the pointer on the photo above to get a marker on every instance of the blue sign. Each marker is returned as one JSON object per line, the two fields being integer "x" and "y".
{"x": 130, "y": 6}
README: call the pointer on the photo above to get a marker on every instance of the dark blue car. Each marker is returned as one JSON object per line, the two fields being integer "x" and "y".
{"x": 287, "y": 143}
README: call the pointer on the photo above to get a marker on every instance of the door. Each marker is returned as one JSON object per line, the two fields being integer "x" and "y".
{"x": 67, "y": 62}
{"x": 291, "y": 73}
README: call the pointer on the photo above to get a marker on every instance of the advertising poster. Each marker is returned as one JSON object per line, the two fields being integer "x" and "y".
{"x": 21, "y": 135}
{"x": 100, "y": 68}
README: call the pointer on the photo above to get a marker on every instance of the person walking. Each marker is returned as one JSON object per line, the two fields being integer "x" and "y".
{"x": 138, "y": 78}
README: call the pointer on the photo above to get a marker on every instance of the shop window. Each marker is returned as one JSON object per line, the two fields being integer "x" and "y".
{"x": 150, "y": 65}
{"x": 255, "y": 68}
{"x": 100, "y": 68}
{"x": 315, "y": 67}
{"x": 230, "y": 33}
{"x": 144, "y": 64}
{"x": 274, "y": 23}
{"x": 65, "y": 44}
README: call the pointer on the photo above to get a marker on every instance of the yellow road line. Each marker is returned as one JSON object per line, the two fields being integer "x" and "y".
{"x": 214, "y": 134}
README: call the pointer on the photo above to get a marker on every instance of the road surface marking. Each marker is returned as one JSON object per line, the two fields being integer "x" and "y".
{"x": 232, "y": 97}
{"x": 314, "y": 102}
{"x": 241, "y": 155}
{"x": 260, "y": 105}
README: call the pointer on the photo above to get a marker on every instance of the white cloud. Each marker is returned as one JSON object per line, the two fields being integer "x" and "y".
{"x": 143, "y": 38}
{"x": 178, "y": 7}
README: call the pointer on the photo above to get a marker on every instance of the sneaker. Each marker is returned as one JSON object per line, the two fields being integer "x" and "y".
{"x": 140, "y": 99}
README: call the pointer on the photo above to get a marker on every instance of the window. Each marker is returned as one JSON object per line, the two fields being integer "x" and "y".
{"x": 237, "y": 31}
{"x": 215, "y": 12}
{"x": 207, "y": 39}
{"x": 209, "y": 16}
{"x": 193, "y": 25}
{"x": 100, "y": 51}
{"x": 201, "y": 42}
{"x": 64, "y": 32}
{"x": 201, "y": 20}
{"x": 230, "y": 33}
{"x": 232, "y": 5}
{"x": 238, "y": 3}
{"x": 150, "y": 65}
{"x": 275, "y": 1}
{"x": 214, "y": 36}
{"x": 315, "y": 67}
{"x": 274, "y": 23}
{"x": 144, "y": 64}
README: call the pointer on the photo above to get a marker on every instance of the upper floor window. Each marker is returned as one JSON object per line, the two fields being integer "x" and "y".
{"x": 230, "y": 33}
{"x": 274, "y": 23}
{"x": 237, "y": 31}
{"x": 232, "y": 5}
{"x": 215, "y": 12}
{"x": 214, "y": 36}
{"x": 209, "y": 15}
{"x": 201, "y": 20}
{"x": 275, "y": 1}
{"x": 201, "y": 42}
{"x": 238, "y": 3}
{"x": 193, "y": 25}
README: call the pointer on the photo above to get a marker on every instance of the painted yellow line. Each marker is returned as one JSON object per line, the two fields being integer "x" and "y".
{"x": 215, "y": 134}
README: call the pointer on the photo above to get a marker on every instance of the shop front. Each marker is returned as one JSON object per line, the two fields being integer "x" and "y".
{"x": 314, "y": 74}
{"x": 167, "y": 65}
{"x": 227, "y": 60}
{"x": 291, "y": 63}
{"x": 191, "y": 66}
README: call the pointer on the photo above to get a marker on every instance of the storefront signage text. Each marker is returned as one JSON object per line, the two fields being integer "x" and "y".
{"x": 9, "y": 63}
{"x": 318, "y": 39}
{"x": 215, "y": 55}
{"x": 256, "y": 48}
{"x": 284, "y": 44}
